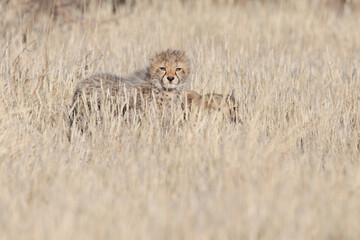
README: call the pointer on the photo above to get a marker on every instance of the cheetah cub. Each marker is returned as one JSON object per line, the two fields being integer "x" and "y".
{"x": 212, "y": 102}
{"x": 162, "y": 81}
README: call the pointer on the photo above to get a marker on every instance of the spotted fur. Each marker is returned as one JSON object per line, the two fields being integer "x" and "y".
{"x": 162, "y": 81}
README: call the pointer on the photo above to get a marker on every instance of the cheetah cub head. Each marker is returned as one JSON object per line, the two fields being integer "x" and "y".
{"x": 169, "y": 70}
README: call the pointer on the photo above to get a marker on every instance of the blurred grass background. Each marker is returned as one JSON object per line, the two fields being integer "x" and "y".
{"x": 290, "y": 171}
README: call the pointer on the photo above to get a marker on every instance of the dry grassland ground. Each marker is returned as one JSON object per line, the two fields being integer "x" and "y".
{"x": 289, "y": 171}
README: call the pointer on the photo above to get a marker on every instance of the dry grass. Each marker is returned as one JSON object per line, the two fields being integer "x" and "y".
{"x": 290, "y": 171}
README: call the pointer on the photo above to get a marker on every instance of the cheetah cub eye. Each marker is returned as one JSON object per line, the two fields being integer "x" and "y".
{"x": 178, "y": 69}
{"x": 163, "y": 69}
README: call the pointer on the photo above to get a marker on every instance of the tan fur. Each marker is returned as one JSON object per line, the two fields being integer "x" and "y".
{"x": 167, "y": 65}
{"x": 212, "y": 102}
{"x": 135, "y": 90}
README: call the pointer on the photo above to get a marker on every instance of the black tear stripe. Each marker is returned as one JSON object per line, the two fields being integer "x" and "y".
{"x": 163, "y": 77}
{"x": 177, "y": 76}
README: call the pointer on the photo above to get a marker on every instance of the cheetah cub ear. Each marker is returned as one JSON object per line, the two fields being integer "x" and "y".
{"x": 233, "y": 107}
{"x": 193, "y": 97}
{"x": 190, "y": 99}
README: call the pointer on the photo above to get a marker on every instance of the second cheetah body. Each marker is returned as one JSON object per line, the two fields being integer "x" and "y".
{"x": 212, "y": 102}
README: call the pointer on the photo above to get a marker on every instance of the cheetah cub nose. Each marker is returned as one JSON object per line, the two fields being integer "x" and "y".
{"x": 170, "y": 78}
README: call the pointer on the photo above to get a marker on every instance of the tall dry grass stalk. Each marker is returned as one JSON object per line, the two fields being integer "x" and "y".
{"x": 289, "y": 171}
